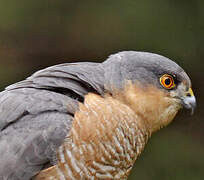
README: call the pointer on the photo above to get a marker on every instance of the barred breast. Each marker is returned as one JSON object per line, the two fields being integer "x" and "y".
{"x": 105, "y": 140}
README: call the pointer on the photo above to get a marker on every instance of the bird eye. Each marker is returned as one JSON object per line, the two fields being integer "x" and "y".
{"x": 167, "y": 81}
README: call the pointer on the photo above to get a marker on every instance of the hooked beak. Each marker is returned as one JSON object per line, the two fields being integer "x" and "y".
{"x": 189, "y": 101}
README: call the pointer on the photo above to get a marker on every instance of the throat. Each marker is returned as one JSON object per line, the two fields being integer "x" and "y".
{"x": 155, "y": 107}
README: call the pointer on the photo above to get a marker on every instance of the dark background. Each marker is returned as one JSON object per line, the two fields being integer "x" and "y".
{"x": 35, "y": 34}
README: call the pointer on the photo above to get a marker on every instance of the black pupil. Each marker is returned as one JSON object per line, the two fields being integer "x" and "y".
{"x": 167, "y": 81}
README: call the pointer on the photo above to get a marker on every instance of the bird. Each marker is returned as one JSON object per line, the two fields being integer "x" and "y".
{"x": 86, "y": 120}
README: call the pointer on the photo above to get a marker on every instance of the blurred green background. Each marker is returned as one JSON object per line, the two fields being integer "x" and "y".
{"x": 35, "y": 34}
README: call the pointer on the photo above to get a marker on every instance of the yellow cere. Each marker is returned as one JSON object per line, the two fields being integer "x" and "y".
{"x": 190, "y": 91}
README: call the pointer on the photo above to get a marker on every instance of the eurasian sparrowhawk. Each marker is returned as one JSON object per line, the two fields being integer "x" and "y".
{"x": 87, "y": 120}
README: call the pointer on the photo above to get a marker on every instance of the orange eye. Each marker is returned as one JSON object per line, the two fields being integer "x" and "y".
{"x": 167, "y": 81}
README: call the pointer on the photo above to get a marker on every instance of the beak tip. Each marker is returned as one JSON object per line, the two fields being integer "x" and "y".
{"x": 189, "y": 102}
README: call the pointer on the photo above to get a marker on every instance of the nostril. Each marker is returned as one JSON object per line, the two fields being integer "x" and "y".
{"x": 188, "y": 95}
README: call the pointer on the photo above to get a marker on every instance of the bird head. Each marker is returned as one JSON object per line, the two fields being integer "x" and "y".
{"x": 152, "y": 84}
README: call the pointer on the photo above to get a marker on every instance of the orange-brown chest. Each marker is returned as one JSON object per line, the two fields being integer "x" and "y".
{"x": 104, "y": 142}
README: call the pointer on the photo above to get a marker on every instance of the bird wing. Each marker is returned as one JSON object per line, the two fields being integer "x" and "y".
{"x": 33, "y": 125}
{"x": 36, "y": 115}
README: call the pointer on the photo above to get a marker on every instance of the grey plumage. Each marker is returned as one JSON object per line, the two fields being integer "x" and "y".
{"x": 36, "y": 114}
